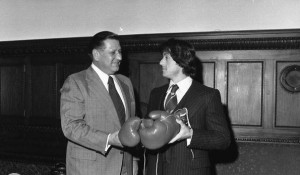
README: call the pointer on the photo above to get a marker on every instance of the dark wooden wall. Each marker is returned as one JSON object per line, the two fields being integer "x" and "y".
{"x": 250, "y": 68}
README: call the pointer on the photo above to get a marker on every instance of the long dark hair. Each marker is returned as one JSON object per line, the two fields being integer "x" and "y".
{"x": 183, "y": 53}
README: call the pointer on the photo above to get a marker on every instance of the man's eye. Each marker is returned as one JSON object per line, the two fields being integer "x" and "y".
{"x": 116, "y": 52}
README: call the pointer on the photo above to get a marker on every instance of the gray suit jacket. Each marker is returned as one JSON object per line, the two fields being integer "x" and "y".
{"x": 87, "y": 117}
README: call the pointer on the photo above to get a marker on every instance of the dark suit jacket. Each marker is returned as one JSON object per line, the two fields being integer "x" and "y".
{"x": 210, "y": 132}
{"x": 87, "y": 117}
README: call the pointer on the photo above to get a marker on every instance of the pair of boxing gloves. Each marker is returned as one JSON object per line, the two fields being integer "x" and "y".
{"x": 154, "y": 132}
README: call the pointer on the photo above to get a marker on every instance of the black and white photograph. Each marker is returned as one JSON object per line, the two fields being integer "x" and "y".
{"x": 149, "y": 87}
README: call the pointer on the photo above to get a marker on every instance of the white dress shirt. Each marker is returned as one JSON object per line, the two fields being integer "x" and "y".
{"x": 104, "y": 78}
{"x": 183, "y": 87}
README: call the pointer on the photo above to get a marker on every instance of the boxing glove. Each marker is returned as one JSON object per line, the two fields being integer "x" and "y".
{"x": 158, "y": 130}
{"x": 128, "y": 134}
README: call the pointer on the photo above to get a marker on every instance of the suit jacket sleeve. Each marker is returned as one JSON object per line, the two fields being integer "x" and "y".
{"x": 216, "y": 134}
{"x": 73, "y": 112}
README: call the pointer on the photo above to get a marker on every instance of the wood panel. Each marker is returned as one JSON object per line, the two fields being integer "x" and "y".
{"x": 208, "y": 74}
{"x": 245, "y": 93}
{"x": 287, "y": 103}
{"x": 44, "y": 91}
{"x": 12, "y": 90}
{"x": 150, "y": 77}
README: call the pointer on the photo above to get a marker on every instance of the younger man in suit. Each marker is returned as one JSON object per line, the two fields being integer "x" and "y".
{"x": 188, "y": 151}
{"x": 90, "y": 117}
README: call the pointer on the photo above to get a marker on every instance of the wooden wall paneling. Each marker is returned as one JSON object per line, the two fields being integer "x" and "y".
{"x": 287, "y": 103}
{"x": 69, "y": 67}
{"x": 150, "y": 77}
{"x": 59, "y": 80}
{"x": 146, "y": 74}
{"x": 208, "y": 74}
{"x": 12, "y": 90}
{"x": 268, "y": 94}
{"x": 245, "y": 93}
{"x": 221, "y": 80}
{"x": 134, "y": 74}
{"x": 215, "y": 68}
{"x": 44, "y": 90}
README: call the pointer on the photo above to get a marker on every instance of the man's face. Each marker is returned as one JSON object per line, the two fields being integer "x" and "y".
{"x": 170, "y": 68}
{"x": 108, "y": 58}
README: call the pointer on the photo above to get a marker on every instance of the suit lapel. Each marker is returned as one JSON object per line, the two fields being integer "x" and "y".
{"x": 162, "y": 96}
{"x": 97, "y": 86}
{"x": 126, "y": 95}
{"x": 98, "y": 89}
{"x": 194, "y": 93}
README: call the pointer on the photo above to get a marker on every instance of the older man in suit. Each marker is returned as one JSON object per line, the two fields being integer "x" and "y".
{"x": 94, "y": 104}
{"x": 206, "y": 128}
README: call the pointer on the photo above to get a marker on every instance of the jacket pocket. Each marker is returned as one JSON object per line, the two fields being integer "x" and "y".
{"x": 200, "y": 159}
{"x": 79, "y": 153}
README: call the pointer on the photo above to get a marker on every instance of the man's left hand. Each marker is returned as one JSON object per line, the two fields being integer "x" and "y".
{"x": 184, "y": 133}
{"x": 135, "y": 167}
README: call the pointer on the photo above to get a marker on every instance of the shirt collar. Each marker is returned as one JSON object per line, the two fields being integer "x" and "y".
{"x": 183, "y": 84}
{"x": 103, "y": 76}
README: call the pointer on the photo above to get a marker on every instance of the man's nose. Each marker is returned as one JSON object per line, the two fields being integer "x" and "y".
{"x": 161, "y": 62}
{"x": 118, "y": 56}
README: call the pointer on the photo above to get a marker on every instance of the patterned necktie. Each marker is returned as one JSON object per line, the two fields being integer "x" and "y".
{"x": 171, "y": 101}
{"x": 116, "y": 100}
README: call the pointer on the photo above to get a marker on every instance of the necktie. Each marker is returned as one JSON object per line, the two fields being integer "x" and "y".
{"x": 171, "y": 101}
{"x": 116, "y": 100}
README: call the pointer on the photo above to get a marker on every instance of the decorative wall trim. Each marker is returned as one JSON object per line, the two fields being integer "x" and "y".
{"x": 254, "y": 40}
{"x": 289, "y": 80}
{"x": 289, "y": 140}
{"x": 223, "y": 44}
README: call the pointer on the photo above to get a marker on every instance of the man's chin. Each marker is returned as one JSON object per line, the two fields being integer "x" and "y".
{"x": 165, "y": 75}
{"x": 115, "y": 69}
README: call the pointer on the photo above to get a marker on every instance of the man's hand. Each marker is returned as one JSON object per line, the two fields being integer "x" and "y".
{"x": 158, "y": 130}
{"x": 128, "y": 134}
{"x": 114, "y": 139}
{"x": 135, "y": 167}
{"x": 184, "y": 133}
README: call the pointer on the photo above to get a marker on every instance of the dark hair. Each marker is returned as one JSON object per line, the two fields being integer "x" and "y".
{"x": 97, "y": 40}
{"x": 183, "y": 53}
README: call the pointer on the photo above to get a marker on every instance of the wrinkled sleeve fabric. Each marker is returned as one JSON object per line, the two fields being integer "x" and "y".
{"x": 73, "y": 114}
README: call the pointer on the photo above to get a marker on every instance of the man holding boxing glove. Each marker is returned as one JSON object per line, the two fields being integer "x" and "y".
{"x": 94, "y": 105}
{"x": 205, "y": 128}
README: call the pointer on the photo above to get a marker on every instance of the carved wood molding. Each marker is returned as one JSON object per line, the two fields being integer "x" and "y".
{"x": 222, "y": 44}
{"x": 288, "y": 140}
{"x": 244, "y": 40}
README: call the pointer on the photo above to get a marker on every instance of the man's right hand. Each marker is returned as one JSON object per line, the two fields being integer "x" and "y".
{"x": 113, "y": 139}
{"x": 158, "y": 130}
{"x": 128, "y": 134}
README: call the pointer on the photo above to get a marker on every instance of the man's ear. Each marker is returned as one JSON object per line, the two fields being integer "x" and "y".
{"x": 96, "y": 54}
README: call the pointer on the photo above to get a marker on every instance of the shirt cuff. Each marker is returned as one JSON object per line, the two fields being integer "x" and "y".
{"x": 188, "y": 141}
{"x": 107, "y": 145}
